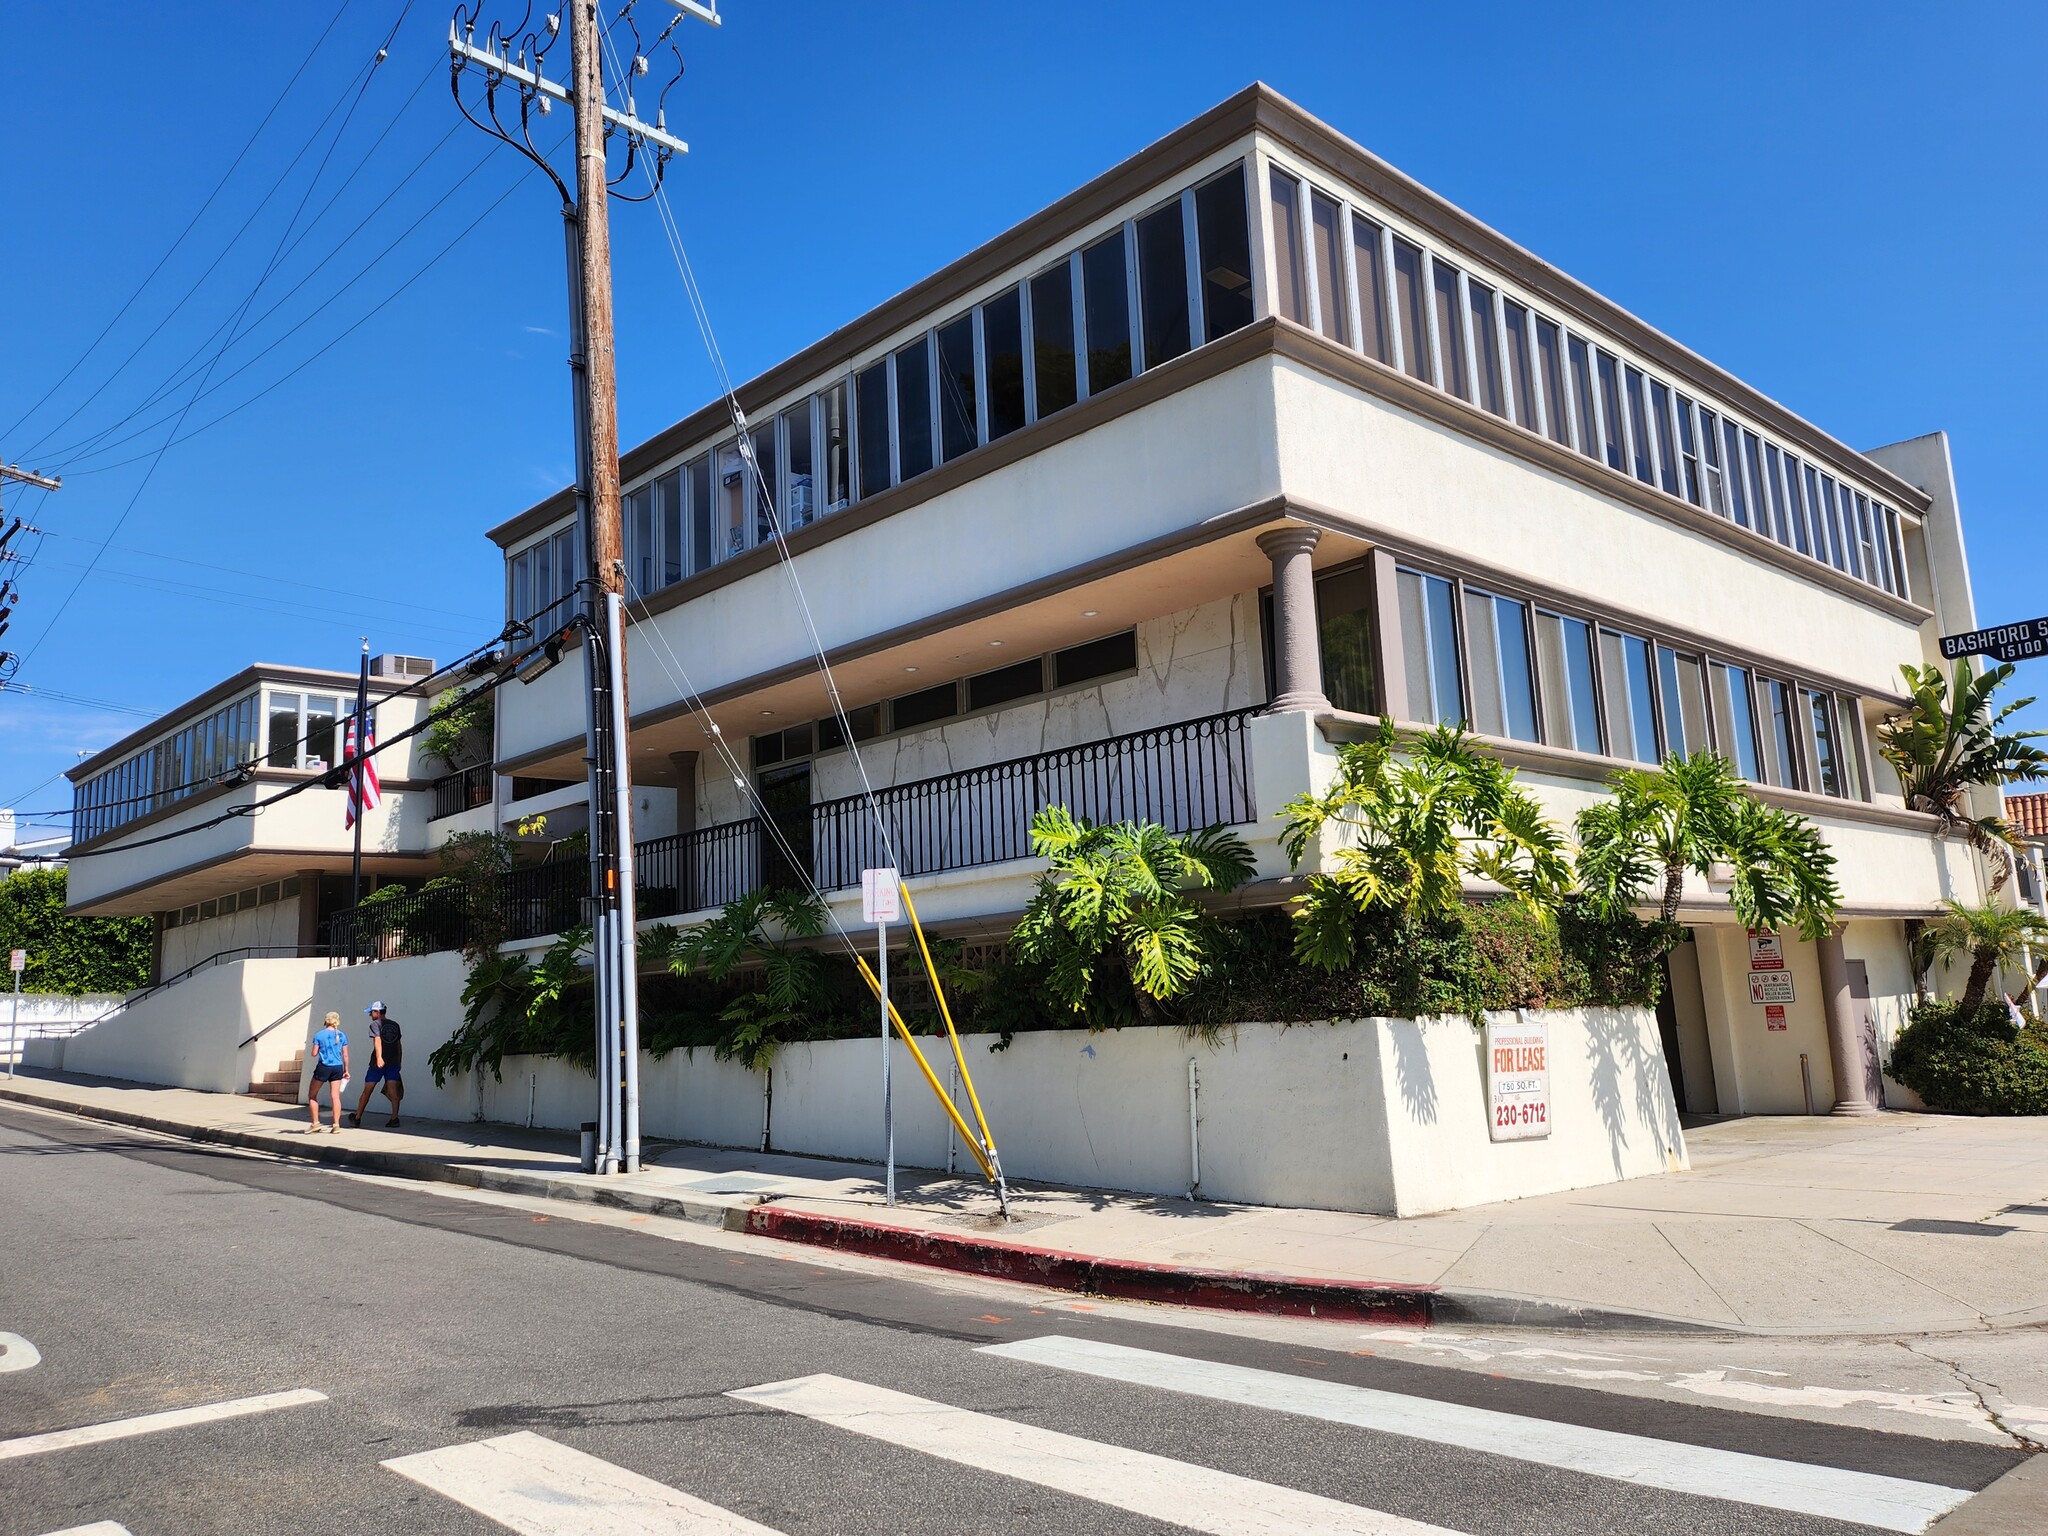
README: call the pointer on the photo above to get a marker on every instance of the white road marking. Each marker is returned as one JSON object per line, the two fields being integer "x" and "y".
{"x": 97, "y": 1528}
{"x": 151, "y": 1423}
{"x": 17, "y": 1354}
{"x": 1180, "y": 1493}
{"x": 540, "y": 1487}
{"x": 1894, "y": 1503}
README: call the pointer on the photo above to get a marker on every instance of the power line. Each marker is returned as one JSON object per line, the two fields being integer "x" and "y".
{"x": 30, "y": 691}
{"x": 193, "y": 224}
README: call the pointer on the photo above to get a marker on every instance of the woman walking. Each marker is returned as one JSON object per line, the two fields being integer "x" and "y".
{"x": 330, "y": 1070}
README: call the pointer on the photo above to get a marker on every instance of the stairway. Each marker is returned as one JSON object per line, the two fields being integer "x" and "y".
{"x": 281, "y": 1086}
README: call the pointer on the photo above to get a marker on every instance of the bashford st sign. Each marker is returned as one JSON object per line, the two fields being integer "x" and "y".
{"x": 2008, "y": 642}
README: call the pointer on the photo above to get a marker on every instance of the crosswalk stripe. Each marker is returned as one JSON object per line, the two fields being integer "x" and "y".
{"x": 97, "y": 1528}
{"x": 540, "y": 1487}
{"x": 1180, "y": 1493}
{"x": 1893, "y": 1503}
{"x": 152, "y": 1423}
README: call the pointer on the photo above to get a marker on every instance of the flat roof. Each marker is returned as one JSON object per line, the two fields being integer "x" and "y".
{"x": 1256, "y": 108}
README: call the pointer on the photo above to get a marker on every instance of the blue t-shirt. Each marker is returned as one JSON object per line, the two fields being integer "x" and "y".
{"x": 329, "y": 1043}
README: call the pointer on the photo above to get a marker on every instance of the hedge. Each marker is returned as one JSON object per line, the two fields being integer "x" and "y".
{"x": 1980, "y": 1065}
{"x": 67, "y": 954}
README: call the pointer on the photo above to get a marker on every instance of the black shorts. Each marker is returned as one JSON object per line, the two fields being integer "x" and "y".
{"x": 322, "y": 1073}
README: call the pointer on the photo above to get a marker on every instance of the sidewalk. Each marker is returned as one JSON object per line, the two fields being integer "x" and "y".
{"x": 1895, "y": 1224}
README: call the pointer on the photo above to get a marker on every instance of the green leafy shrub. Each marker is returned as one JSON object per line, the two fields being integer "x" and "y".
{"x": 1974, "y": 1063}
{"x": 67, "y": 954}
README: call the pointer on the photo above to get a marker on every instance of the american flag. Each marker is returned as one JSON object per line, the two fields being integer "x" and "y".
{"x": 364, "y": 793}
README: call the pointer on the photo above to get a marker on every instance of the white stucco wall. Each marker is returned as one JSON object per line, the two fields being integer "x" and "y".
{"x": 190, "y": 1034}
{"x": 273, "y": 926}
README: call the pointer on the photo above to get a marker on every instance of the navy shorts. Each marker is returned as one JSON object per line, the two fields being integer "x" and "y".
{"x": 380, "y": 1075}
{"x": 322, "y": 1073}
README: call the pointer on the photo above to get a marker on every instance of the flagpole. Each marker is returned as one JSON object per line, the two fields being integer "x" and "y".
{"x": 356, "y": 795}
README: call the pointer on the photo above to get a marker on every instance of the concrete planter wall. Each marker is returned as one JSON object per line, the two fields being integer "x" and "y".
{"x": 1385, "y": 1115}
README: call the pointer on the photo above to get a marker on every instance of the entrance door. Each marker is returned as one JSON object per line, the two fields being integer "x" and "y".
{"x": 786, "y": 797}
{"x": 1866, "y": 1030}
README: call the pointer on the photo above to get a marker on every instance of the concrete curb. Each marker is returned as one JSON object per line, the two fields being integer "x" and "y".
{"x": 1055, "y": 1269}
{"x": 1216, "y": 1289}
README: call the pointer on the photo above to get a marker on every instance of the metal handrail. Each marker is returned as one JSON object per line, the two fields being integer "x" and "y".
{"x": 266, "y": 1029}
{"x": 293, "y": 951}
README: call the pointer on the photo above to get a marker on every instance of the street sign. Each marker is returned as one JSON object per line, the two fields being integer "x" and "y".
{"x": 17, "y": 961}
{"x": 1518, "y": 1078}
{"x": 1774, "y": 1018}
{"x": 881, "y": 897}
{"x": 2006, "y": 642}
{"x": 1766, "y": 952}
{"x": 1771, "y": 987}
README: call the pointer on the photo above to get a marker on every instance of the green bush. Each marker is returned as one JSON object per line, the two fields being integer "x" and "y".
{"x": 69, "y": 954}
{"x": 1978, "y": 1064}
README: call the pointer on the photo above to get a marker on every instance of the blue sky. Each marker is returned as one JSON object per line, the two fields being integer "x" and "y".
{"x": 1843, "y": 204}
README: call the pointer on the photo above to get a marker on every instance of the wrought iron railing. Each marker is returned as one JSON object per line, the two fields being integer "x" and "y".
{"x": 1196, "y": 773}
{"x": 689, "y": 871}
{"x": 461, "y": 791}
{"x": 1193, "y": 774}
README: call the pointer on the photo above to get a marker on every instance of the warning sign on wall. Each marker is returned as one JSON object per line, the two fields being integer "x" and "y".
{"x": 1770, "y": 987}
{"x": 1766, "y": 952}
{"x": 1518, "y": 1078}
{"x": 1774, "y": 1017}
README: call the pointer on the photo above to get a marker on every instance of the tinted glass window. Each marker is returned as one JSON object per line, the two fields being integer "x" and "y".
{"x": 1375, "y": 323}
{"x": 1429, "y": 648}
{"x": 1735, "y": 718}
{"x": 1290, "y": 286}
{"x": 799, "y": 486}
{"x": 1610, "y": 413}
{"x": 1344, "y": 605}
{"x": 1521, "y": 365}
{"x": 1096, "y": 658}
{"x": 1639, "y": 418}
{"x": 1738, "y": 494}
{"x": 1002, "y": 346}
{"x": 1502, "y": 690}
{"x": 1821, "y": 742}
{"x": 1571, "y": 708}
{"x": 959, "y": 428}
{"x": 1450, "y": 330}
{"x": 668, "y": 495}
{"x": 698, "y": 474}
{"x": 1667, "y": 461}
{"x": 1780, "y": 733}
{"x": 1052, "y": 339}
{"x": 924, "y": 706}
{"x": 1486, "y": 348}
{"x": 1685, "y": 701}
{"x": 1582, "y": 399}
{"x": 835, "y": 467}
{"x": 1006, "y": 683}
{"x": 1550, "y": 358}
{"x": 1759, "y": 488}
{"x": 1326, "y": 235}
{"x": 1631, "y": 701}
{"x": 1105, "y": 295}
{"x": 1163, "y": 284}
{"x": 1225, "y": 245}
{"x": 913, "y": 409}
{"x": 873, "y": 389}
{"x": 1411, "y": 308}
{"x": 1688, "y": 451}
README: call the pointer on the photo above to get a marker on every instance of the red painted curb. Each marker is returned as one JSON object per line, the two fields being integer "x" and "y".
{"x": 1223, "y": 1290}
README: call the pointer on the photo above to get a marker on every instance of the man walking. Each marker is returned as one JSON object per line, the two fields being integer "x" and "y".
{"x": 387, "y": 1049}
{"x": 330, "y": 1071}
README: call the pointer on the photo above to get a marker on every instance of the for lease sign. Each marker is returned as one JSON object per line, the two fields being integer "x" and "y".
{"x": 1518, "y": 1078}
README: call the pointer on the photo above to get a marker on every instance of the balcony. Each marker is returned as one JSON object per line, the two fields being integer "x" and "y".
{"x": 1192, "y": 774}
{"x": 464, "y": 790}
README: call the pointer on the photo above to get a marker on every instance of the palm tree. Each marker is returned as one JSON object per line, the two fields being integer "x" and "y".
{"x": 1694, "y": 814}
{"x": 1989, "y": 934}
{"x": 1948, "y": 742}
{"x": 1414, "y": 827}
{"x": 1124, "y": 892}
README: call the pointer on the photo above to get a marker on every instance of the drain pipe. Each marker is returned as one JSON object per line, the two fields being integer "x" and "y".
{"x": 767, "y": 1101}
{"x": 1194, "y": 1132}
{"x": 1806, "y": 1080}
{"x": 532, "y": 1090}
{"x": 953, "y": 1136}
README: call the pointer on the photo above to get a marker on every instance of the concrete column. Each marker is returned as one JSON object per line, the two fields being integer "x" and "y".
{"x": 686, "y": 790}
{"x": 1297, "y": 649}
{"x": 1845, "y": 1035}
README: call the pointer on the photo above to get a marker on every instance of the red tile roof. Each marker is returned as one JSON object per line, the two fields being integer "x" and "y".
{"x": 2028, "y": 814}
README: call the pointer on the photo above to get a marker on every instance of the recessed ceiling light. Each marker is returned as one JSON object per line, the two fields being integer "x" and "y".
{"x": 766, "y": 713}
{"x": 1091, "y": 613}
{"x": 995, "y": 642}
{"x": 910, "y": 669}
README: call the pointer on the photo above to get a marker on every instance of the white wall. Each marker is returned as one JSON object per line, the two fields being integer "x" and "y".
{"x": 1364, "y": 1115}
{"x": 190, "y": 1034}
{"x": 275, "y": 926}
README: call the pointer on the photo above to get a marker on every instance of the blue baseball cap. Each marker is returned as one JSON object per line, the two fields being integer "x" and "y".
{"x": 374, "y": 1008}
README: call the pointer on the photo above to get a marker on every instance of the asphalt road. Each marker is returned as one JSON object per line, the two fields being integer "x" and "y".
{"x": 154, "y": 1276}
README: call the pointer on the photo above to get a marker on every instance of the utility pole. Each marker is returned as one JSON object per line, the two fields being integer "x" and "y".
{"x": 594, "y": 402}
{"x": 10, "y": 589}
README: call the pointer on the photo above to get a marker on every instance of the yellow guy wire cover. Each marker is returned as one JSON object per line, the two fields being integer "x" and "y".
{"x": 945, "y": 1013}
{"x": 952, "y": 1111}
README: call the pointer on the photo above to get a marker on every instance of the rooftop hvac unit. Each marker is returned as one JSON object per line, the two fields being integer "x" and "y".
{"x": 393, "y": 665}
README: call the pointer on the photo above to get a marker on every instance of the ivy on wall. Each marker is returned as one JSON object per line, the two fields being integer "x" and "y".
{"x": 68, "y": 954}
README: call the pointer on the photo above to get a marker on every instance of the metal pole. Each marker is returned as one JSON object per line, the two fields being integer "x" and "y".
{"x": 629, "y": 953}
{"x": 355, "y": 792}
{"x": 888, "y": 1109}
{"x": 14, "y": 1025}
